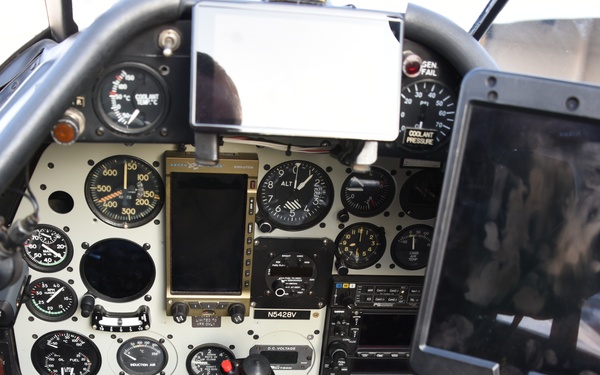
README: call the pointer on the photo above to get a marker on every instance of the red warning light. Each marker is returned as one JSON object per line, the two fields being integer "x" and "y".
{"x": 411, "y": 65}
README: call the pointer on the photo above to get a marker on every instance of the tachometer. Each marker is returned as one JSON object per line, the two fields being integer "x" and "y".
{"x": 51, "y": 299}
{"x": 427, "y": 115}
{"x": 65, "y": 352}
{"x": 295, "y": 195}
{"x": 131, "y": 98}
{"x": 124, "y": 191}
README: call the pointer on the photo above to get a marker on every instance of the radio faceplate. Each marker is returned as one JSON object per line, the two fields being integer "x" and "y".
{"x": 369, "y": 324}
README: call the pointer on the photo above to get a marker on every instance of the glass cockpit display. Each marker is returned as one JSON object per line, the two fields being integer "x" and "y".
{"x": 246, "y": 58}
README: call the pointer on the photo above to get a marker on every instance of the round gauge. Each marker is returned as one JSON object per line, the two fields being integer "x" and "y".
{"x": 410, "y": 248}
{"x": 426, "y": 116}
{"x": 117, "y": 270}
{"x": 368, "y": 194}
{"x": 142, "y": 356}
{"x": 48, "y": 249}
{"x": 124, "y": 191}
{"x": 206, "y": 359}
{"x": 360, "y": 245}
{"x": 131, "y": 98}
{"x": 295, "y": 195}
{"x": 65, "y": 352}
{"x": 51, "y": 299}
{"x": 420, "y": 194}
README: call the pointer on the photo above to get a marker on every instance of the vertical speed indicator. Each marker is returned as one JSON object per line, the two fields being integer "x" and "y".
{"x": 124, "y": 191}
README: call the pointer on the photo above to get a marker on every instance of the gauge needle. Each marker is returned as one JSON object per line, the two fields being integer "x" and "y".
{"x": 303, "y": 184}
{"x": 50, "y": 250}
{"x": 110, "y": 196}
{"x": 134, "y": 115}
{"x": 55, "y": 294}
{"x": 413, "y": 241}
{"x": 130, "y": 356}
{"x": 296, "y": 177}
{"x": 125, "y": 175}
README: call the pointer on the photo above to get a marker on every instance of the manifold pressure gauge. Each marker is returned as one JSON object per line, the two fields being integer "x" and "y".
{"x": 295, "y": 195}
{"x": 48, "y": 249}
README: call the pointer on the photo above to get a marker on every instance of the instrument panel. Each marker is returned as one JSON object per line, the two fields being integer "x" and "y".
{"x": 97, "y": 300}
{"x": 122, "y": 268}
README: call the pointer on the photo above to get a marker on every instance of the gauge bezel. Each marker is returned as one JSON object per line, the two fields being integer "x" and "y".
{"x": 197, "y": 349}
{"x": 378, "y": 252}
{"x": 385, "y": 203}
{"x": 434, "y": 178}
{"x": 316, "y": 215}
{"x": 37, "y": 312}
{"x": 108, "y": 74}
{"x": 156, "y": 343}
{"x": 39, "y": 350}
{"x": 394, "y": 247}
{"x": 52, "y": 268}
{"x": 446, "y": 138}
{"x": 154, "y": 177}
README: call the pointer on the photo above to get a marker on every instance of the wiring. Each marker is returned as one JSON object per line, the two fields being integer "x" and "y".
{"x": 278, "y": 146}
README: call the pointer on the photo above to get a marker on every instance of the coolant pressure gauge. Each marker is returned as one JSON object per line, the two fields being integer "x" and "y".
{"x": 131, "y": 98}
{"x": 427, "y": 115}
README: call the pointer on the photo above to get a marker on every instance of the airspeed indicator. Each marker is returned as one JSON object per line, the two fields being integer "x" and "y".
{"x": 124, "y": 191}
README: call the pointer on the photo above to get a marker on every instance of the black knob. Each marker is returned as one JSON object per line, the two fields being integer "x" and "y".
{"x": 337, "y": 352}
{"x": 87, "y": 305}
{"x": 279, "y": 288}
{"x": 343, "y": 216}
{"x": 256, "y": 364}
{"x": 180, "y": 311}
{"x": 341, "y": 268}
{"x": 265, "y": 227}
{"x": 236, "y": 312}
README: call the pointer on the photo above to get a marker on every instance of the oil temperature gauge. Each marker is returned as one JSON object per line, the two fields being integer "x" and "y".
{"x": 142, "y": 356}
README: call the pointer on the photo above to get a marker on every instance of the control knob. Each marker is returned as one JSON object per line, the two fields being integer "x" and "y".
{"x": 236, "y": 312}
{"x": 338, "y": 353}
{"x": 180, "y": 311}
